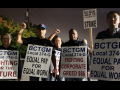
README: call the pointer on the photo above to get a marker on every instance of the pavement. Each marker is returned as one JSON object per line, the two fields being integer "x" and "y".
{"x": 26, "y": 78}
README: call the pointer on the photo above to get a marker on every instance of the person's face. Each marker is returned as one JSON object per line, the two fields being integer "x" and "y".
{"x": 113, "y": 19}
{"x": 73, "y": 35}
{"x": 41, "y": 32}
{"x": 58, "y": 42}
{"x": 6, "y": 40}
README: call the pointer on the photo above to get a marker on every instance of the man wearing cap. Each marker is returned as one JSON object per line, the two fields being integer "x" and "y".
{"x": 39, "y": 40}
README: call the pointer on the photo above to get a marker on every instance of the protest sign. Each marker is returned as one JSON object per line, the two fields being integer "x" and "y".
{"x": 57, "y": 55}
{"x": 37, "y": 61}
{"x": 74, "y": 62}
{"x": 90, "y": 18}
{"x": 90, "y": 21}
{"x": 105, "y": 60}
{"x": 9, "y": 64}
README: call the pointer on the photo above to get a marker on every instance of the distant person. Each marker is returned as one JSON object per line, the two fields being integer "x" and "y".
{"x": 113, "y": 20}
{"x": 39, "y": 40}
{"x": 6, "y": 45}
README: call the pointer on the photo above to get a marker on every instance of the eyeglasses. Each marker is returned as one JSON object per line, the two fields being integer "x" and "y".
{"x": 115, "y": 17}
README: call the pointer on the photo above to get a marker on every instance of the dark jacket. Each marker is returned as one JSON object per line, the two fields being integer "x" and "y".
{"x": 106, "y": 34}
{"x": 79, "y": 43}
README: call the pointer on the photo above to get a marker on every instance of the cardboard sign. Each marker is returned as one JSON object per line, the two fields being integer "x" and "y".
{"x": 74, "y": 62}
{"x": 105, "y": 63}
{"x": 37, "y": 61}
{"x": 9, "y": 64}
{"x": 57, "y": 55}
{"x": 90, "y": 18}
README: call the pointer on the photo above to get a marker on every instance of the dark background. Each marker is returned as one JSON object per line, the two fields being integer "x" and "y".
{"x": 60, "y": 18}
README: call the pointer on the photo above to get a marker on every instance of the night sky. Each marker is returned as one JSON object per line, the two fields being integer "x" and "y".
{"x": 60, "y": 18}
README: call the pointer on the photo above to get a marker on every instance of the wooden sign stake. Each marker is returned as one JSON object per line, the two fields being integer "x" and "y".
{"x": 91, "y": 39}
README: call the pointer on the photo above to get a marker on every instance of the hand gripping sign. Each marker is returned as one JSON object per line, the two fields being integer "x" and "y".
{"x": 105, "y": 63}
{"x": 37, "y": 61}
{"x": 74, "y": 62}
{"x": 9, "y": 64}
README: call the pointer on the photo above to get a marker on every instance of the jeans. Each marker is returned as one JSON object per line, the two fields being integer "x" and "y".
{"x": 58, "y": 78}
{"x": 74, "y": 79}
{"x": 37, "y": 78}
{"x": 46, "y": 79}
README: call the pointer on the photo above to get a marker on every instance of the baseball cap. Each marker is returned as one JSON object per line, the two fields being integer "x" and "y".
{"x": 41, "y": 26}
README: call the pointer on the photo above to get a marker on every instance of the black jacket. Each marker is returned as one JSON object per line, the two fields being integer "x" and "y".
{"x": 106, "y": 34}
{"x": 79, "y": 43}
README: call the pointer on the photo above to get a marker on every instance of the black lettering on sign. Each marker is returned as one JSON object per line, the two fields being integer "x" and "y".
{"x": 36, "y": 65}
{"x": 42, "y": 72}
{"x": 86, "y": 14}
{"x": 28, "y": 71}
{"x": 32, "y": 59}
{"x": 44, "y": 60}
{"x": 90, "y": 24}
{"x": 91, "y": 13}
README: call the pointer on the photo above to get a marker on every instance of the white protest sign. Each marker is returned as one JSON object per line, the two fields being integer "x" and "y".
{"x": 57, "y": 55}
{"x": 37, "y": 61}
{"x": 74, "y": 62}
{"x": 9, "y": 64}
{"x": 105, "y": 63}
{"x": 90, "y": 18}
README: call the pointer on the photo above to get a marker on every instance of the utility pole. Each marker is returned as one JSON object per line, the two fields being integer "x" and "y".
{"x": 27, "y": 17}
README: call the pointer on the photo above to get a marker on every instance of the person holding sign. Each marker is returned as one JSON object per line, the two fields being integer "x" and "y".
{"x": 57, "y": 48}
{"x": 6, "y": 41}
{"x": 74, "y": 41}
{"x": 39, "y": 40}
{"x": 113, "y": 20}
